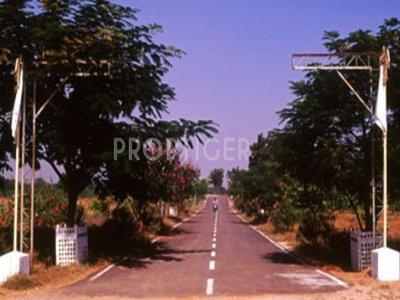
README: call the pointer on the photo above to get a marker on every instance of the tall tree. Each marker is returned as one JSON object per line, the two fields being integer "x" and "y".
{"x": 324, "y": 146}
{"x": 216, "y": 179}
{"x": 76, "y": 133}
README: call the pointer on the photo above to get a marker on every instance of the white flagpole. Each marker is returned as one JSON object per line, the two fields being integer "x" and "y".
{"x": 381, "y": 120}
{"x": 385, "y": 189}
{"x": 22, "y": 172}
{"x": 16, "y": 177}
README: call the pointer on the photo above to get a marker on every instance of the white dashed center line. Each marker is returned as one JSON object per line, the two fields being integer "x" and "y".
{"x": 210, "y": 281}
{"x": 210, "y": 287}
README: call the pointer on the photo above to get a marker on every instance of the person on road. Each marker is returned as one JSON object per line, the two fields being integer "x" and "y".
{"x": 215, "y": 204}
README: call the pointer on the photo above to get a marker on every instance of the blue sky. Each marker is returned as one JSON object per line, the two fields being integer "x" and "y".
{"x": 237, "y": 68}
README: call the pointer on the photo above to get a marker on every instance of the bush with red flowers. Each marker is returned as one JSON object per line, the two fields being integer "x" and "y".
{"x": 50, "y": 206}
{"x": 170, "y": 179}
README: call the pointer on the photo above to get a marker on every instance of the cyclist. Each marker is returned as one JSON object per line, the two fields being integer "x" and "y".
{"x": 215, "y": 204}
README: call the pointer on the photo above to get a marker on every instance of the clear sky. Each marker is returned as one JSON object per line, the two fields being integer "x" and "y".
{"x": 237, "y": 68}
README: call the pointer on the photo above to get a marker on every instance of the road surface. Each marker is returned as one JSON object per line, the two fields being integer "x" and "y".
{"x": 210, "y": 254}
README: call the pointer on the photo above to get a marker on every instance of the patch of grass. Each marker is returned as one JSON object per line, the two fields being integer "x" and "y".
{"x": 44, "y": 276}
{"x": 19, "y": 282}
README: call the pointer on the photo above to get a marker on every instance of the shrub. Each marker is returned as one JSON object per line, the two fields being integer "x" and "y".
{"x": 5, "y": 239}
{"x": 284, "y": 217}
{"x": 316, "y": 228}
{"x": 6, "y": 213}
{"x": 50, "y": 206}
{"x": 117, "y": 233}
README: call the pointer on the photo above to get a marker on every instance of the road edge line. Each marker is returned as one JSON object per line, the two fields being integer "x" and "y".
{"x": 105, "y": 270}
{"x": 287, "y": 251}
{"x": 337, "y": 280}
{"x": 109, "y": 267}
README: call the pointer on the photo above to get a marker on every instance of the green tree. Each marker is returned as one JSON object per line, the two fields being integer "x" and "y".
{"x": 216, "y": 178}
{"x": 201, "y": 187}
{"x": 333, "y": 131}
{"x": 76, "y": 133}
{"x": 320, "y": 159}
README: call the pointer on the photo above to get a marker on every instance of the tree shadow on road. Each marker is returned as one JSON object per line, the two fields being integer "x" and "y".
{"x": 281, "y": 258}
{"x": 238, "y": 222}
{"x": 158, "y": 251}
{"x": 177, "y": 231}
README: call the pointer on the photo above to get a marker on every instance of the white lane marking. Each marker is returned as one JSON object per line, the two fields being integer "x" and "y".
{"x": 335, "y": 279}
{"x": 212, "y": 265}
{"x": 210, "y": 287}
{"x": 177, "y": 224}
{"x": 214, "y": 240}
{"x": 213, "y": 253}
{"x": 108, "y": 268}
{"x": 155, "y": 240}
{"x": 102, "y": 272}
{"x": 213, "y": 246}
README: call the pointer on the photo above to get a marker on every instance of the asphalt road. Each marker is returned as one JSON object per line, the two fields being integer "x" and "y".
{"x": 210, "y": 254}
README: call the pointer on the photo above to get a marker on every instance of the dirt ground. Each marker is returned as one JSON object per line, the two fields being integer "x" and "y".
{"x": 44, "y": 277}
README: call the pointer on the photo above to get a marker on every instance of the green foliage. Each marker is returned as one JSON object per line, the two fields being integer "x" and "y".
{"x": 99, "y": 207}
{"x": 285, "y": 217}
{"x": 166, "y": 178}
{"x": 320, "y": 159}
{"x": 201, "y": 188}
{"x": 216, "y": 178}
{"x": 77, "y": 131}
{"x": 6, "y": 213}
{"x": 50, "y": 206}
{"x": 316, "y": 228}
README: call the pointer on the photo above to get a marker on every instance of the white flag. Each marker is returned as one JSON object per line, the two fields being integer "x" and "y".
{"x": 380, "y": 109}
{"x": 18, "y": 97}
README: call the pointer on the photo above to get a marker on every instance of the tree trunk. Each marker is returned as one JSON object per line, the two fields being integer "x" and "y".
{"x": 72, "y": 201}
{"x": 367, "y": 214}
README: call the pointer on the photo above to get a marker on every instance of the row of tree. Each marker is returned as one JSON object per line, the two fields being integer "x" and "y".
{"x": 124, "y": 96}
{"x": 320, "y": 159}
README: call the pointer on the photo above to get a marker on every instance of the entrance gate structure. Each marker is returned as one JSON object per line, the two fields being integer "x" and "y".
{"x": 83, "y": 68}
{"x": 353, "y": 61}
